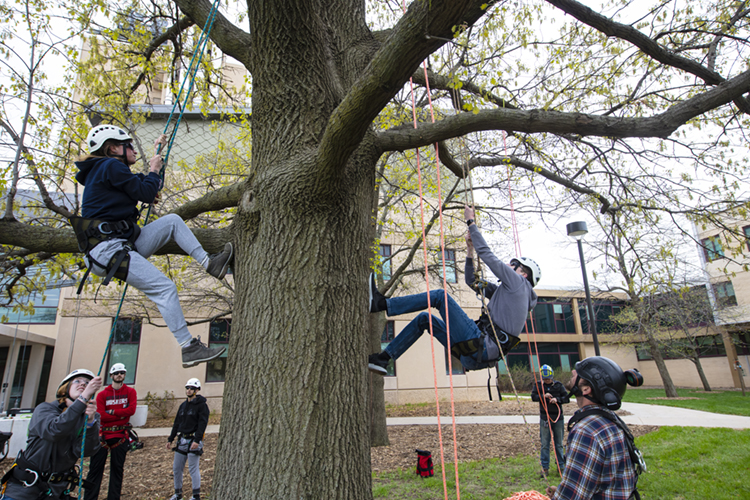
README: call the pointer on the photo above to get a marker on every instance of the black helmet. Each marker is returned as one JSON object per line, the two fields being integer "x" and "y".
{"x": 607, "y": 380}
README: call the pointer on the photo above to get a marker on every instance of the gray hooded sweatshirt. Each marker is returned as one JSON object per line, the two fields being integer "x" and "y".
{"x": 511, "y": 300}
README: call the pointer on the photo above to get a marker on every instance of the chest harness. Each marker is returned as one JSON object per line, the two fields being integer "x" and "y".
{"x": 91, "y": 232}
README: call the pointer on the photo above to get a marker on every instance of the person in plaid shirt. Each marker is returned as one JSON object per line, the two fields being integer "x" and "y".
{"x": 598, "y": 464}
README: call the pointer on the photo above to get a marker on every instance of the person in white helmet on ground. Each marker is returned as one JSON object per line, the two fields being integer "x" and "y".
{"x": 114, "y": 244}
{"x": 115, "y": 404}
{"x": 189, "y": 426}
{"x": 46, "y": 468}
{"x": 474, "y": 343}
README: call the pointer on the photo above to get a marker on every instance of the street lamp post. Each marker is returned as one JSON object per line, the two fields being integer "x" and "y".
{"x": 578, "y": 230}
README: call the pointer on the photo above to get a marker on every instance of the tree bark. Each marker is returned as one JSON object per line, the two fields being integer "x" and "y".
{"x": 376, "y": 394}
{"x": 698, "y": 366}
{"x": 666, "y": 379}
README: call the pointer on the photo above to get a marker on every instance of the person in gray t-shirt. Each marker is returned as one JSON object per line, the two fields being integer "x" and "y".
{"x": 509, "y": 306}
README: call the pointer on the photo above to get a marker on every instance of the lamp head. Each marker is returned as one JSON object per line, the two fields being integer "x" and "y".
{"x": 577, "y": 229}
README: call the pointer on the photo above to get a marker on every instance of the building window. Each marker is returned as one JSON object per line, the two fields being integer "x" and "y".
{"x": 563, "y": 355}
{"x": 41, "y": 393}
{"x": 19, "y": 378}
{"x": 705, "y": 346}
{"x": 45, "y": 309}
{"x": 741, "y": 341}
{"x": 456, "y": 366}
{"x": 746, "y": 230}
{"x": 385, "y": 261}
{"x": 450, "y": 266}
{"x": 551, "y": 317}
{"x": 712, "y": 248}
{"x": 124, "y": 349}
{"x": 218, "y": 335}
{"x": 724, "y": 293}
{"x": 389, "y": 333}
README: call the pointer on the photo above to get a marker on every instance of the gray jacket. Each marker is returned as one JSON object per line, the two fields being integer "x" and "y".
{"x": 54, "y": 445}
{"x": 511, "y": 300}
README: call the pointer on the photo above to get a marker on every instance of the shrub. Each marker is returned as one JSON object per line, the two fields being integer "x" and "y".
{"x": 160, "y": 406}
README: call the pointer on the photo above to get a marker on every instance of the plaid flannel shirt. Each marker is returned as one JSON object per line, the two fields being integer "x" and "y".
{"x": 597, "y": 463}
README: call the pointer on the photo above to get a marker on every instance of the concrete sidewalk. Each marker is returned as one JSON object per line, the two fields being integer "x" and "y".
{"x": 641, "y": 414}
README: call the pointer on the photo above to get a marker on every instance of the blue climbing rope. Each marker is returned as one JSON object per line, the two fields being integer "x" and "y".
{"x": 195, "y": 63}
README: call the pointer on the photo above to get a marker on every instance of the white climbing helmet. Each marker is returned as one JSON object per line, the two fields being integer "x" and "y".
{"x": 117, "y": 367}
{"x": 536, "y": 271}
{"x": 194, "y": 383}
{"x": 80, "y": 372}
{"x": 98, "y": 135}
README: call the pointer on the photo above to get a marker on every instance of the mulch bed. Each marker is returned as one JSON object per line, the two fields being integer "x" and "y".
{"x": 148, "y": 472}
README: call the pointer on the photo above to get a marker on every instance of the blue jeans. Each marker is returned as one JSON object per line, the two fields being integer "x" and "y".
{"x": 462, "y": 327}
{"x": 544, "y": 435}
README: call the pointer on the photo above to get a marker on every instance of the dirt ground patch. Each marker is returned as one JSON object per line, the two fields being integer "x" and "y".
{"x": 148, "y": 472}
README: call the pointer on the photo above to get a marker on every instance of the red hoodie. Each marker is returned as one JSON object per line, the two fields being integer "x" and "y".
{"x": 121, "y": 406}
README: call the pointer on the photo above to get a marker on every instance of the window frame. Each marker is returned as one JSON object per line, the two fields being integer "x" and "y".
{"x": 385, "y": 251}
{"x": 709, "y": 246}
{"x": 450, "y": 266}
{"x": 131, "y": 370}
{"x": 389, "y": 333}
{"x": 722, "y": 301}
{"x": 211, "y": 376}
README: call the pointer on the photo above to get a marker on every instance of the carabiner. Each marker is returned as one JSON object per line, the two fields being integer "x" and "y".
{"x": 36, "y": 478}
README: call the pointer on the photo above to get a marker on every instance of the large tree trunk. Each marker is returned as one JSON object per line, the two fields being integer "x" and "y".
{"x": 295, "y": 419}
{"x": 376, "y": 395}
{"x": 294, "y": 415}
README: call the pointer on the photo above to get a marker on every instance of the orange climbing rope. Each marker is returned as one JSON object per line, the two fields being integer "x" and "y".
{"x": 445, "y": 290}
{"x": 527, "y": 495}
{"x": 429, "y": 305}
{"x": 532, "y": 339}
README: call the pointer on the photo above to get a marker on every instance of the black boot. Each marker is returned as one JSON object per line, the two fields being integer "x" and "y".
{"x": 377, "y": 299}
{"x": 378, "y": 363}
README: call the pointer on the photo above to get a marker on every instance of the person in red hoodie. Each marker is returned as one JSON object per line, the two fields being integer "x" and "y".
{"x": 116, "y": 403}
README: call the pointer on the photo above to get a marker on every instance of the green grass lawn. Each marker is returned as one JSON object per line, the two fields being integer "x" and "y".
{"x": 729, "y": 402}
{"x": 683, "y": 463}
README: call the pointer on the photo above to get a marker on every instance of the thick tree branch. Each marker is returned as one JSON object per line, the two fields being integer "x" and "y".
{"x": 218, "y": 199}
{"x": 643, "y": 42}
{"x": 423, "y": 29}
{"x": 62, "y": 240}
{"x": 537, "y": 120}
{"x": 230, "y": 39}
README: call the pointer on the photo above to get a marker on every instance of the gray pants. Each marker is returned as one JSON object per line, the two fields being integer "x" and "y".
{"x": 179, "y": 465}
{"x": 146, "y": 277}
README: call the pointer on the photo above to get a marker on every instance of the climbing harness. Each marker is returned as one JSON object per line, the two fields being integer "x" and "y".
{"x": 91, "y": 232}
{"x": 26, "y": 473}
